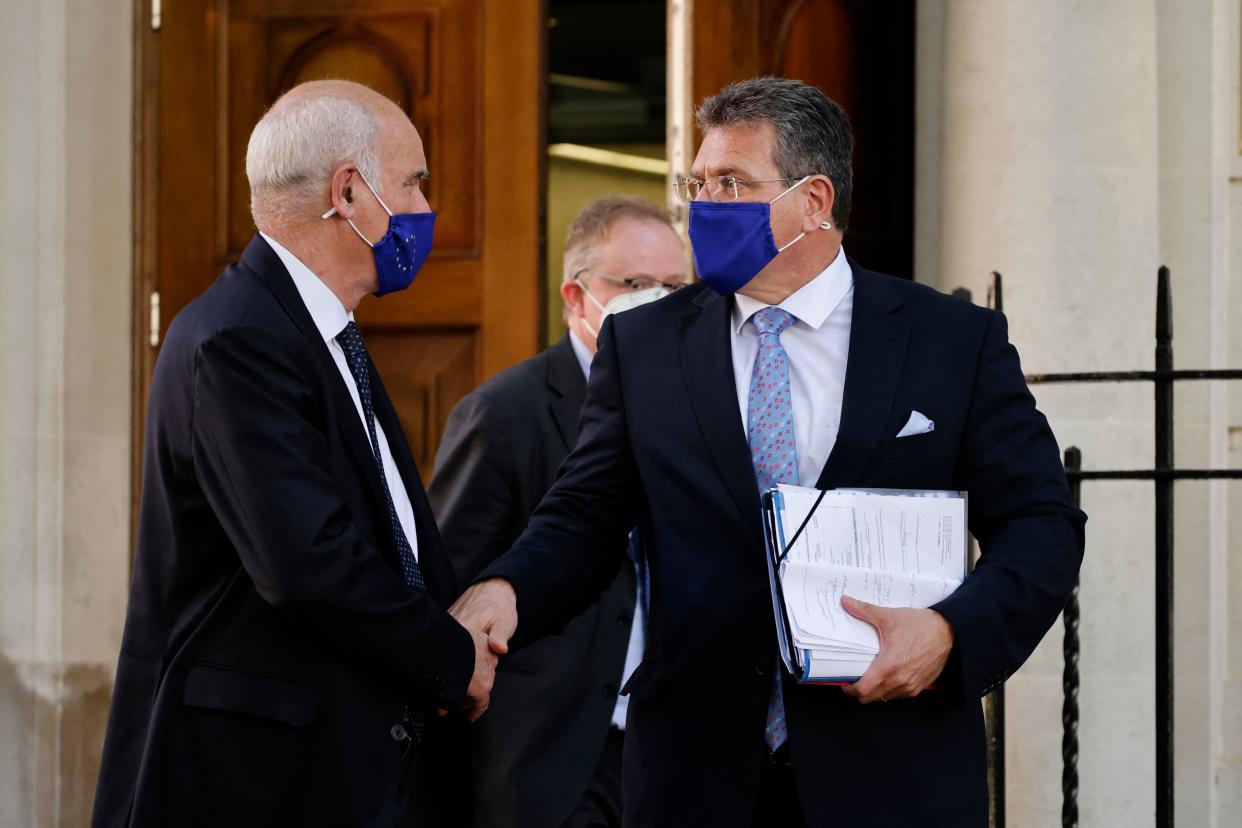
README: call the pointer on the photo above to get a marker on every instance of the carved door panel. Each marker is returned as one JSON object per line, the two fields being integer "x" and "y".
{"x": 468, "y": 72}
{"x": 859, "y": 53}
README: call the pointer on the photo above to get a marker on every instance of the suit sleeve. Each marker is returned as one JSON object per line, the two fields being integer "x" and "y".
{"x": 266, "y": 471}
{"x": 473, "y": 490}
{"x": 1030, "y": 534}
{"x": 573, "y": 546}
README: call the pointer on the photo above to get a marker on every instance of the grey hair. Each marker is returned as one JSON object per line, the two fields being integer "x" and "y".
{"x": 595, "y": 221}
{"x": 295, "y": 147}
{"x": 593, "y": 224}
{"x": 813, "y": 134}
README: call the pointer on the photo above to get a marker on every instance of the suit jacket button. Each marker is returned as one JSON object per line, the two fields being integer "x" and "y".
{"x": 624, "y": 619}
{"x": 609, "y": 691}
{"x": 398, "y": 733}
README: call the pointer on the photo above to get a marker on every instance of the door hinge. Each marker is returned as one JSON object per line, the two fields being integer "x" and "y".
{"x": 153, "y": 321}
{"x": 155, "y": 15}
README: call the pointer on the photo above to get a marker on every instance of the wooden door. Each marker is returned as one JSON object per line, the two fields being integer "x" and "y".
{"x": 468, "y": 72}
{"x": 861, "y": 54}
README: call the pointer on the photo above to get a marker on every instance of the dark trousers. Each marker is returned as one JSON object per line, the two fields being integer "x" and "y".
{"x": 601, "y": 803}
{"x": 778, "y": 805}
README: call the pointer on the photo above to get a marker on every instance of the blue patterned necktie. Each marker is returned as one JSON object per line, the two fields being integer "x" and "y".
{"x": 350, "y": 340}
{"x": 770, "y": 432}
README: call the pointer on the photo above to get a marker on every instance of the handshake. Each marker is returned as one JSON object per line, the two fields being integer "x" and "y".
{"x": 914, "y": 644}
{"x": 488, "y": 611}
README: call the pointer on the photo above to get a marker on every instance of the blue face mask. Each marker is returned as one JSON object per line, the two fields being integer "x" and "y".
{"x": 401, "y": 252}
{"x": 732, "y": 240}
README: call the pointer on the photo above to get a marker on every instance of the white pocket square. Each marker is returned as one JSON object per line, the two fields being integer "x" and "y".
{"x": 917, "y": 424}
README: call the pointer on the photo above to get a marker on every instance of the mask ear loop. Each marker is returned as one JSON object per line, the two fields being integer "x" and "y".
{"x": 590, "y": 296}
{"x": 784, "y": 247}
{"x": 823, "y": 224}
{"x": 332, "y": 210}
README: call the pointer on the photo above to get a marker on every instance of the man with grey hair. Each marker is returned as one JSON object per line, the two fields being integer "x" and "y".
{"x": 287, "y": 645}
{"x": 791, "y": 363}
{"x": 548, "y": 752}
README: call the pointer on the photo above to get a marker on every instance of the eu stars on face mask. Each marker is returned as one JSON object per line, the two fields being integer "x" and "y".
{"x": 401, "y": 252}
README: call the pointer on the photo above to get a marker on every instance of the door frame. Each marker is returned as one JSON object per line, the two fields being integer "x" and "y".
{"x": 145, "y": 242}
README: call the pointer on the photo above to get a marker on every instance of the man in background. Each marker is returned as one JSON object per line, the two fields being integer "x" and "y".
{"x": 548, "y": 752}
{"x": 287, "y": 646}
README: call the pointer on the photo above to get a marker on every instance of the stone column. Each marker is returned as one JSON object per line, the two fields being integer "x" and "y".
{"x": 1039, "y": 154}
{"x": 65, "y": 240}
{"x": 1075, "y": 147}
{"x": 1198, "y": 88}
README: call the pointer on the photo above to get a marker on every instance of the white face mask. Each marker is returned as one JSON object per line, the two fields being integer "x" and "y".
{"x": 621, "y": 302}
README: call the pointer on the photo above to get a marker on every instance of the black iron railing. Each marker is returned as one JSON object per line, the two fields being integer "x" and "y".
{"x": 1163, "y": 474}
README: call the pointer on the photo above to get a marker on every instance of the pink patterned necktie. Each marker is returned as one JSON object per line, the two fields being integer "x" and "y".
{"x": 770, "y": 432}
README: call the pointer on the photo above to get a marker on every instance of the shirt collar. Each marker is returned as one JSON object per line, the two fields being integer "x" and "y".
{"x": 582, "y": 353}
{"x": 812, "y": 303}
{"x": 327, "y": 312}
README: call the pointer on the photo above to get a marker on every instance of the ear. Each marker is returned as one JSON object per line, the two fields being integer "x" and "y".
{"x": 820, "y": 198}
{"x": 571, "y": 293}
{"x": 340, "y": 190}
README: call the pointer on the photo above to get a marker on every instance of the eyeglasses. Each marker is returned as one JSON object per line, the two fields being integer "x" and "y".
{"x": 637, "y": 282}
{"x": 720, "y": 187}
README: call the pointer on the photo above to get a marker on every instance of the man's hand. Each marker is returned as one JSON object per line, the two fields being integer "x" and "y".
{"x": 486, "y": 655}
{"x": 914, "y": 647}
{"x": 488, "y": 610}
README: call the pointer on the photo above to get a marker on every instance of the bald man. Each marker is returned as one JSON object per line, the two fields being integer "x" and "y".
{"x": 287, "y": 648}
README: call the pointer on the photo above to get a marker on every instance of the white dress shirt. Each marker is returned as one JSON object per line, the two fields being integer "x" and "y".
{"x": 817, "y": 344}
{"x": 633, "y": 651}
{"x": 330, "y": 318}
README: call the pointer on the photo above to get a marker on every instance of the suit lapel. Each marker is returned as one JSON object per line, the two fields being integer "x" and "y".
{"x": 878, "y": 337}
{"x": 568, "y": 385}
{"x": 707, "y": 361}
{"x": 260, "y": 259}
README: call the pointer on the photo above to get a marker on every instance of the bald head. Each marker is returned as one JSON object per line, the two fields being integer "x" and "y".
{"x": 305, "y": 136}
{"x": 328, "y": 165}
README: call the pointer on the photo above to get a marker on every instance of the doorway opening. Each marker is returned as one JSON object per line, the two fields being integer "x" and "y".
{"x": 606, "y": 116}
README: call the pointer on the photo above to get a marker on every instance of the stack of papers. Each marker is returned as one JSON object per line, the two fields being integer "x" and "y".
{"x": 889, "y": 547}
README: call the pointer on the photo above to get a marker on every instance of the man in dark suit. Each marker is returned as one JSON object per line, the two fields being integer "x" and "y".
{"x": 548, "y": 752}
{"x": 287, "y": 645}
{"x": 690, "y": 409}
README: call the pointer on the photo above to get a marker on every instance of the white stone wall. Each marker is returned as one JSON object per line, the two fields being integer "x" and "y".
{"x": 1225, "y": 740}
{"x": 65, "y": 242}
{"x": 1075, "y": 147}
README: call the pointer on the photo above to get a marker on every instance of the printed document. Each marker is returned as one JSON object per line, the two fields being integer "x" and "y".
{"x": 892, "y": 548}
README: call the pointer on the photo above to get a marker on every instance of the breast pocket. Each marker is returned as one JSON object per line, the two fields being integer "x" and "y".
{"x": 929, "y": 441}
{"x": 921, "y": 461}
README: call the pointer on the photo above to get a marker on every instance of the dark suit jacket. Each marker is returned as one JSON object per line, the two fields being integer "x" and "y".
{"x": 271, "y": 642}
{"x": 535, "y": 749}
{"x": 661, "y": 435}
